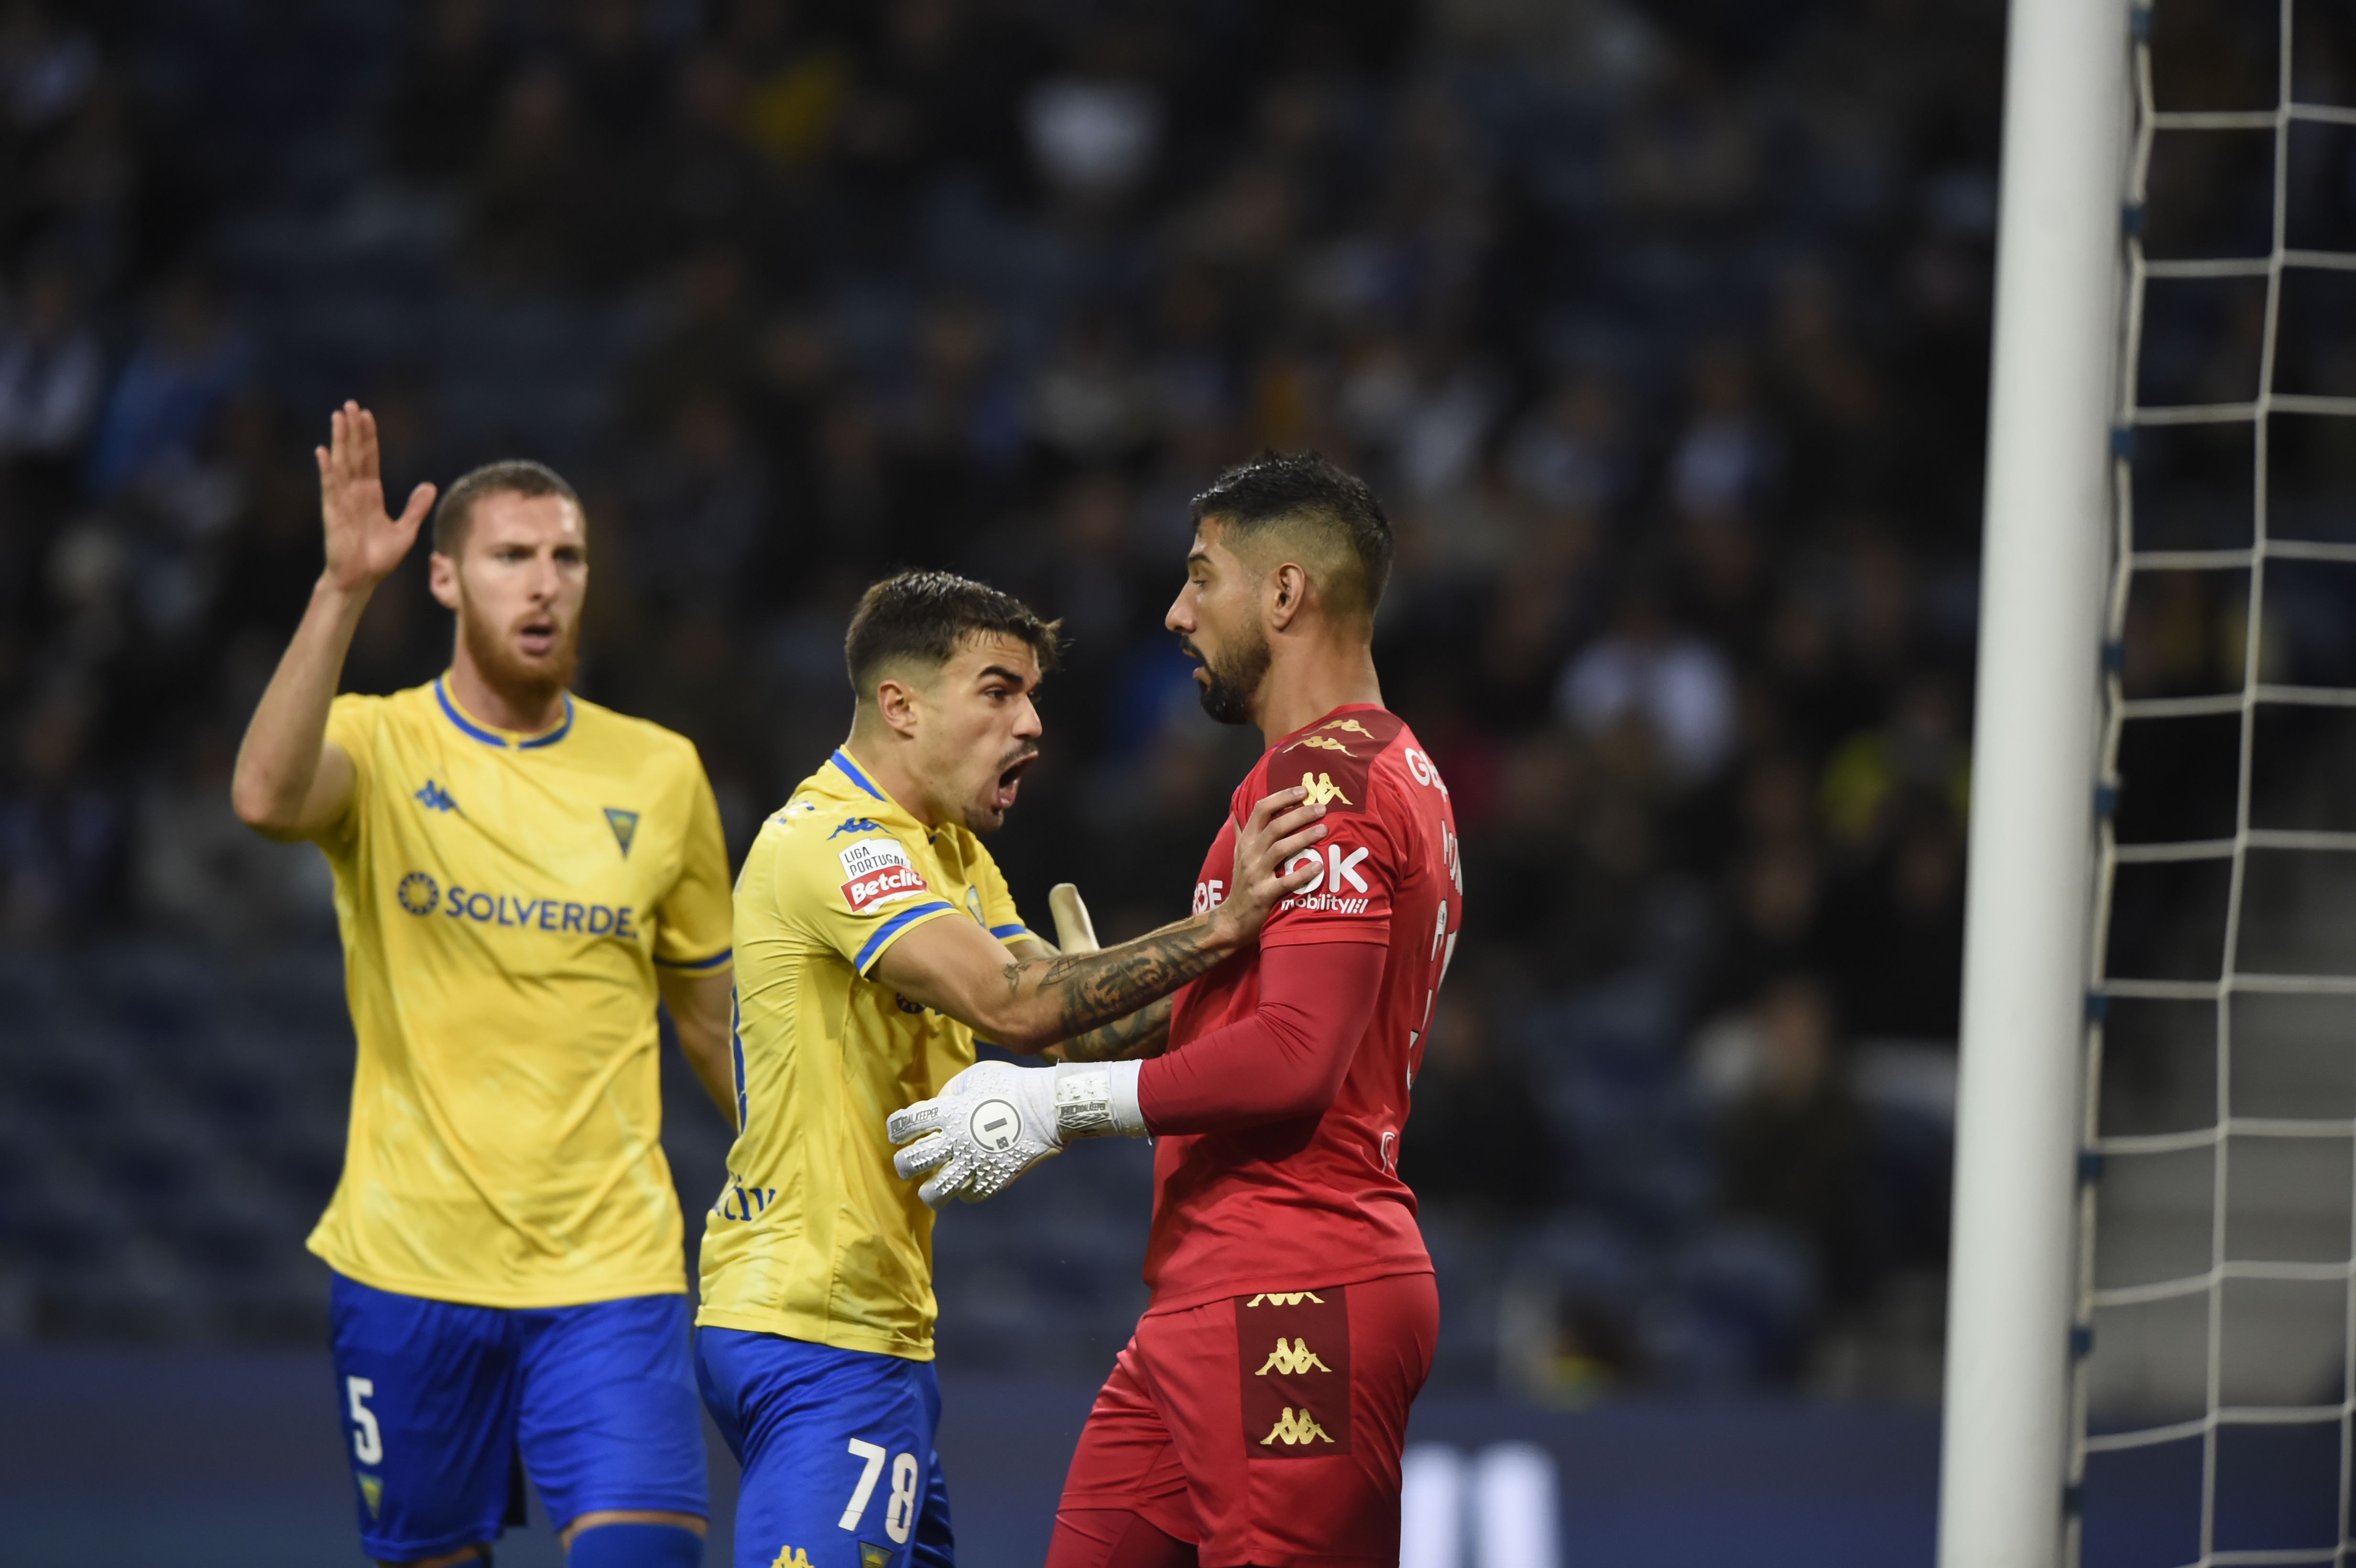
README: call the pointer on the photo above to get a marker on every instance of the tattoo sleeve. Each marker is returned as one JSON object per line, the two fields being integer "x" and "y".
{"x": 1141, "y": 1034}
{"x": 1090, "y": 989}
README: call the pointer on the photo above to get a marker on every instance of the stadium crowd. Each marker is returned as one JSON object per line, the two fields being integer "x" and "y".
{"x": 1661, "y": 328}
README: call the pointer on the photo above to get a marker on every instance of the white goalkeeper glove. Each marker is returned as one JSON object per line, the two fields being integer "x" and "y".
{"x": 994, "y": 1121}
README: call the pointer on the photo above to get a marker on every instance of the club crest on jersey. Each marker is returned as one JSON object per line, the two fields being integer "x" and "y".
{"x": 434, "y": 797}
{"x": 1322, "y": 791}
{"x": 874, "y": 1556}
{"x": 877, "y": 871}
{"x": 625, "y": 824}
{"x": 973, "y": 905}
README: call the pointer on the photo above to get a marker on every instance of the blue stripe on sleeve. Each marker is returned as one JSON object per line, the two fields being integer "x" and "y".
{"x": 892, "y": 928}
{"x": 1008, "y": 933}
{"x": 714, "y": 961}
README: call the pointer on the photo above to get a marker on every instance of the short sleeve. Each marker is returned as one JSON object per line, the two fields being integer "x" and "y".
{"x": 352, "y": 721}
{"x": 856, "y": 894}
{"x": 693, "y": 919}
{"x": 1358, "y": 866}
{"x": 998, "y": 911}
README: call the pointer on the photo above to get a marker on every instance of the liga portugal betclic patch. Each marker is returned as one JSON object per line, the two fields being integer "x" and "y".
{"x": 1292, "y": 1353}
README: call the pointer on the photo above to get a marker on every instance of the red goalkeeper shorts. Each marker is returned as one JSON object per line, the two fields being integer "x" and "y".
{"x": 1261, "y": 1429}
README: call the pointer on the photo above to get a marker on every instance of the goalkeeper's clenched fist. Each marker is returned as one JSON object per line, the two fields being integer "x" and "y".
{"x": 994, "y": 1121}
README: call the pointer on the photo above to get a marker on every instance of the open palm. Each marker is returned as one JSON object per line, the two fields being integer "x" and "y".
{"x": 364, "y": 540}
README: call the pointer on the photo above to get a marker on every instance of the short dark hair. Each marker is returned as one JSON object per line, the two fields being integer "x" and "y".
{"x": 454, "y": 512}
{"x": 923, "y": 616}
{"x": 1306, "y": 492}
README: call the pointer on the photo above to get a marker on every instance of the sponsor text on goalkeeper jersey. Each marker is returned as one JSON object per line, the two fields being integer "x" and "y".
{"x": 814, "y": 1236}
{"x": 505, "y": 901}
{"x": 1320, "y": 1199}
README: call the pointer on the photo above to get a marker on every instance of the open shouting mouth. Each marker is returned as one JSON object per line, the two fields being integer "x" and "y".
{"x": 1009, "y": 780}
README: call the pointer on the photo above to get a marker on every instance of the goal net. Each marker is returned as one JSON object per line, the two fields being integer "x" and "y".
{"x": 2215, "y": 1346}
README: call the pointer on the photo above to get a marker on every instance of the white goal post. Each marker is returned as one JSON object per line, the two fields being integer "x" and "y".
{"x": 2044, "y": 569}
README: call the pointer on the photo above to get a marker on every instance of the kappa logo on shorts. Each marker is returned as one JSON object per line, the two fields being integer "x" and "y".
{"x": 790, "y": 1557}
{"x": 1291, "y": 1359}
{"x": 1295, "y": 1430}
{"x": 1295, "y": 1399}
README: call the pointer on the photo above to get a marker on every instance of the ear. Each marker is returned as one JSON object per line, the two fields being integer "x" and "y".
{"x": 1287, "y": 594}
{"x": 898, "y": 701}
{"x": 442, "y": 576}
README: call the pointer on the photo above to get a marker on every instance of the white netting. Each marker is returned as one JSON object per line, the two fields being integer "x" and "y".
{"x": 2213, "y": 1394}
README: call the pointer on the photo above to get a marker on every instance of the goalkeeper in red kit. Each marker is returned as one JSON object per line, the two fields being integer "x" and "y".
{"x": 1257, "y": 1416}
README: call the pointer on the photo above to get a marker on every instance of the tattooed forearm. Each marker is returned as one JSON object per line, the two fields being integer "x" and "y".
{"x": 1085, "y": 990}
{"x": 1144, "y": 1033}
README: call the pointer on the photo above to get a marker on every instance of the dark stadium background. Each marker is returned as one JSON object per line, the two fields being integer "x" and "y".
{"x": 1660, "y": 325}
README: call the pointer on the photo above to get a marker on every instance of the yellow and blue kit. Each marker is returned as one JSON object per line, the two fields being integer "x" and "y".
{"x": 505, "y": 902}
{"x": 815, "y": 1334}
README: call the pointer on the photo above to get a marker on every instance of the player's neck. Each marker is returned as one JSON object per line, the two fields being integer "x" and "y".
{"x": 519, "y": 710}
{"x": 886, "y": 761}
{"x": 1307, "y": 682}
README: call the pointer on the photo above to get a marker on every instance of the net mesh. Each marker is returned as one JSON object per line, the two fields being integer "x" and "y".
{"x": 2213, "y": 1391}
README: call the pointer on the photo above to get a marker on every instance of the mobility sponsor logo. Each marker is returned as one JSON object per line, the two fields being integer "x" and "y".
{"x": 1330, "y": 891}
{"x": 877, "y": 872}
{"x": 417, "y": 893}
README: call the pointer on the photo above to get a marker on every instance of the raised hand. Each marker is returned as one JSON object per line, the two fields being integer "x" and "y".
{"x": 1279, "y": 828}
{"x": 364, "y": 541}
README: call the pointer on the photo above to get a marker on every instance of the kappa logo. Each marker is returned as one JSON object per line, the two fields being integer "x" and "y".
{"x": 1286, "y": 1298}
{"x": 434, "y": 797}
{"x": 791, "y": 1557}
{"x": 856, "y": 824}
{"x": 1293, "y": 1359}
{"x": 1322, "y": 791}
{"x": 1294, "y": 1431}
{"x": 1322, "y": 743}
{"x": 1349, "y": 727}
{"x": 625, "y": 824}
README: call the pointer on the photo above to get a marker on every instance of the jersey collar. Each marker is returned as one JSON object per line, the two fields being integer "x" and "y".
{"x": 847, "y": 770}
{"x": 506, "y": 740}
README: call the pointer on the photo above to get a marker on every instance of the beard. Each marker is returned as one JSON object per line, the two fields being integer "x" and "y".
{"x": 1231, "y": 679}
{"x": 527, "y": 683}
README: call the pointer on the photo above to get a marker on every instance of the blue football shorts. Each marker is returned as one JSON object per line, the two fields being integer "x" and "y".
{"x": 837, "y": 1447}
{"x": 446, "y": 1408}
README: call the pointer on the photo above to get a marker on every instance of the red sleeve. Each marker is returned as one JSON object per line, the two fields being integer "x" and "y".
{"x": 1287, "y": 1060}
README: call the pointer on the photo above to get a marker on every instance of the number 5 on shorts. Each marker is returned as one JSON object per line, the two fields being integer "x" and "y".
{"x": 367, "y": 1443}
{"x": 900, "y": 1508}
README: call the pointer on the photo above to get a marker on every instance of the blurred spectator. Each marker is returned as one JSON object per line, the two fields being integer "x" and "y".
{"x": 51, "y": 372}
{"x": 1794, "y": 1146}
{"x": 61, "y": 831}
{"x": 1478, "y": 1143}
{"x": 449, "y": 89}
{"x": 201, "y": 873}
{"x": 186, "y": 365}
{"x": 1675, "y": 684}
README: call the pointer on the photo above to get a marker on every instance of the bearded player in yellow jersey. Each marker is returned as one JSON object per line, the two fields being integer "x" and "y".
{"x": 519, "y": 875}
{"x": 874, "y": 938}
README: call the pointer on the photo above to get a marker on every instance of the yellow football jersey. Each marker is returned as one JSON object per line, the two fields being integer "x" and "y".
{"x": 814, "y": 1236}
{"x": 504, "y": 901}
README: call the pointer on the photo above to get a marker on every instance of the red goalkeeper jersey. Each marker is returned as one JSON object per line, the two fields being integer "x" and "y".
{"x": 1245, "y": 1203}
